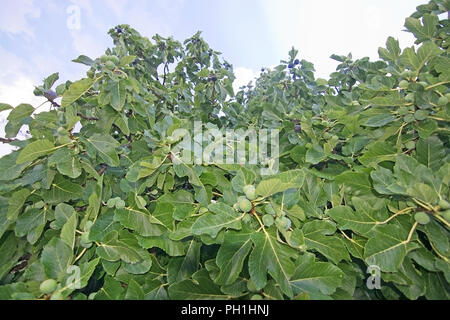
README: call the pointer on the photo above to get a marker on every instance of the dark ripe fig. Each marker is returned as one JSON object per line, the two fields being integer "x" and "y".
{"x": 50, "y": 95}
{"x": 298, "y": 128}
{"x": 290, "y": 65}
{"x": 296, "y": 61}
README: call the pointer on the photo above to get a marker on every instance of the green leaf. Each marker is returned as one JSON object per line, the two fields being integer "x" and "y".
{"x": 280, "y": 183}
{"x": 16, "y": 202}
{"x": 378, "y": 152}
{"x": 4, "y": 107}
{"x": 105, "y": 146}
{"x": 319, "y": 236}
{"x": 76, "y": 91}
{"x": 220, "y": 216}
{"x": 68, "y": 231}
{"x": 182, "y": 268}
{"x": 230, "y": 258}
{"x": 111, "y": 249}
{"x": 84, "y": 60}
{"x": 56, "y": 257}
{"x": 311, "y": 276}
{"x": 431, "y": 152}
{"x": 417, "y": 61}
{"x": 388, "y": 247}
{"x": 118, "y": 95}
{"x": 270, "y": 256}
{"x": 202, "y": 289}
{"x": 134, "y": 291}
{"x": 21, "y": 112}
{"x": 35, "y": 150}
{"x": 315, "y": 155}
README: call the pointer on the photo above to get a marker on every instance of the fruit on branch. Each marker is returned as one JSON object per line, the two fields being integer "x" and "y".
{"x": 422, "y": 218}
{"x": 403, "y": 84}
{"x": 442, "y": 101}
{"x": 444, "y": 204}
{"x": 250, "y": 192}
{"x": 48, "y": 286}
{"x": 50, "y": 95}
{"x": 244, "y": 204}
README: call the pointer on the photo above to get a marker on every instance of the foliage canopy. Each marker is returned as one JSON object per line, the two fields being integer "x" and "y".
{"x": 363, "y": 177}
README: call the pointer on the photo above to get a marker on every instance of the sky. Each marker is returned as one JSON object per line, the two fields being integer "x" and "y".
{"x": 40, "y": 37}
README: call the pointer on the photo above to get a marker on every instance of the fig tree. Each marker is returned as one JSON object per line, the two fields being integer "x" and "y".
{"x": 48, "y": 286}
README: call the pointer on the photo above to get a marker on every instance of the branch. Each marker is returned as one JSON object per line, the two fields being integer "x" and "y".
{"x": 87, "y": 118}
{"x": 4, "y": 140}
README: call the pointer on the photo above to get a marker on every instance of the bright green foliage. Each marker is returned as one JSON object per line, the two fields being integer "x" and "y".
{"x": 363, "y": 177}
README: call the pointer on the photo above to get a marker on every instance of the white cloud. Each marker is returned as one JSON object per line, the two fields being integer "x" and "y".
{"x": 14, "y": 16}
{"x": 243, "y": 77}
{"x": 320, "y": 28}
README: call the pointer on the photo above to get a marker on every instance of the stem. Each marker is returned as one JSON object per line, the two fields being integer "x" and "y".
{"x": 411, "y": 232}
{"x": 80, "y": 255}
{"x": 406, "y": 210}
{"x": 436, "y": 85}
{"x": 442, "y": 220}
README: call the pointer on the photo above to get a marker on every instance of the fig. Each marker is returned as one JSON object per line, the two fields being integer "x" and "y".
{"x": 444, "y": 204}
{"x": 50, "y": 95}
{"x": 410, "y": 97}
{"x": 268, "y": 220}
{"x": 269, "y": 209}
{"x": 290, "y": 65}
{"x": 110, "y": 65}
{"x": 422, "y": 218}
{"x": 244, "y": 204}
{"x": 442, "y": 101}
{"x": 446, "y": 215}
{"x": 296, "y": 61}
{"x": 250, "y": 192}
{"x": 48, "y": 286}
{"x": 284, "y": 222}
{"x": 114, "y": 59}
{"x": 403, "y": 84}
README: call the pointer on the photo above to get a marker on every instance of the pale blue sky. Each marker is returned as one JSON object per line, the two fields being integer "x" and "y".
{"x": 35, "y": 40}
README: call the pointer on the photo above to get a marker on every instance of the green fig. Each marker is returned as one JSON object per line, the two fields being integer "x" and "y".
{"x": 422, "y": 218}
{"x": 250, "y": 192}
{"x": 48, "y": 286}
{"x": 244, "y": 204}
{"x": 403, "y": 84}
{"x": 444, "y": 204}
{"x": 443, "y": 101}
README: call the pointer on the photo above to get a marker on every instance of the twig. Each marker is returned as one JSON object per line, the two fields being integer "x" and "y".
{"x": 87, "y": 118}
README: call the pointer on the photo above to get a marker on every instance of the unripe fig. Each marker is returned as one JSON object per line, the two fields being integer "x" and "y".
{"x": 443, "y": 101}
{"x": 268, "y": 220}
{"x": 410, "y": 97}
{"x": 444, "y": 204}
{"x": 269, "y": 209}
{"x": 56, "y": 296}
{"x": 104, "y": 58}
{"x": 446, "y": 215}
{"x": 284, "y": 222}
{"x": 48, "y": 286}
{"x": 257, "y": 297}
{"x": 410, "y": 145}
{"x": 250, "y": 192}
{"x": 422, "y": 218}
{"x": 244, "y": 204}
{"x": 85, "y": 237}
{"x": 423, "y": 83}
{"x": 110, "y": 65}
{"x": 447, "y": 95}
{"x": 90, "y": 74}
{"x": 114, "y": 59}
{"x": 61, "y": 131}
{"x": 403, "y": 84}
{"x": 120, "y": 204}
{"x": 326, "y": 135}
